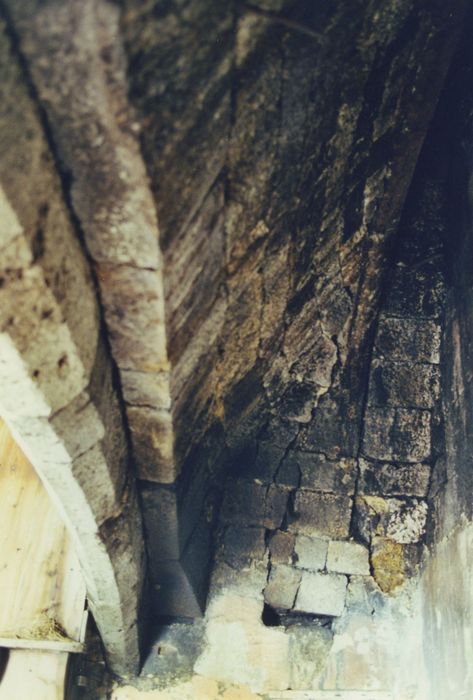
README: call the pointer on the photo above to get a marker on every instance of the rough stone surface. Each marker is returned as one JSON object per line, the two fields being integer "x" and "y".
{"x": 282, "y": 587}
{"x": 402, "y": 521}
{"x": 95, "y": 134}
{"x": 322, "y": 514}
{"x": 402, "y": 435}
{"x": 251, "y": 503}
{"x": 262, "y": 323}
{"x": 58, "y": 394}
{"x": 311, "y": 553}
{"x": 316, "y": 472}
{"x": 402, "y": 339}
{"x": 281, "y": 547}
{"x": 243, "y": 544}
{"x": 279, "y": 180}
{"x": 390, "y": 479}
{"x": 321, "y": 594}
{"x": 409, "y": 385}
{"x": 348, "y": 558}
{"x": 418, "y": 292}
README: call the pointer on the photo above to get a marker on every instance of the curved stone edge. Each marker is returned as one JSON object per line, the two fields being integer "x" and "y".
{"x": 96, "y": 135}
{"x": 46, "y": 402}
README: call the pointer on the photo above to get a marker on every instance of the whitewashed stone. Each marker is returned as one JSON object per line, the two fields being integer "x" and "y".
{"x": 348, "y": 558}
{"x": 311, "y": 552}
{"x": 321, "y": 594}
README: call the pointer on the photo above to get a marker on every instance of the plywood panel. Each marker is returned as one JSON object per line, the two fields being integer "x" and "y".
{"x": 34, "y": 675}
{"x": 41, "y": 584}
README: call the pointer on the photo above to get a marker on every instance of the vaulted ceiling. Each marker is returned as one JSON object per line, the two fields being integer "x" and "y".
{"x": 208, "y": 198}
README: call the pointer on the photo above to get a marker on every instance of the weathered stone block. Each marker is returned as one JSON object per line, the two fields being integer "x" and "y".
{"x": 321, "y": 474}
{"x": 275, "y": 506}
{"x": 322, "y": 514}
{"x": 146, "y": 388}
{"x": 289, "y": 472}
{"x": 281, "y": 547}
{"x": 348, "y": 558}
{"x": 329, "y": 431}
{"x": 244, "y": 502}
{"x": 321, "y": 594}
{"x": 311, "y": 552}
{"x": 412, "y": 385}
{"x": 252, "y": 503}
{"x": 397, "y": 435}
{"x": 402, "y": 521}
{"x": 267, "y": 460}
{"x": 242, "y": 544}
{"x": 416, "y": 292}
{"x": 408, "y": 339}
{"x": 282, "y": 587}
{"x": 153, "y": 443}
{"x": 384, "y": 478}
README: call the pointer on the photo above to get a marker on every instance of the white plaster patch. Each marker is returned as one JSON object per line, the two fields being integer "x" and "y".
{"x": 321, "y": 594}
{"x": 240, "y": 649}
{"x": 408, "y": 525}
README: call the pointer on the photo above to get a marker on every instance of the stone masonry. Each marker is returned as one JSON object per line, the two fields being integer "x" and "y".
{"x": 322, "y": 519}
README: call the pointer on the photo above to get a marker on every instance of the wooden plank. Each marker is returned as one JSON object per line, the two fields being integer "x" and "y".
{"x": 34, "y": 675}
{"x": 68, "y": 646}
{"x": 41, "y": 583}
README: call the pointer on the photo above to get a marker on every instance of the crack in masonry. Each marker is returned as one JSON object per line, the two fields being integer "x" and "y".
{"x": 285, "y": 21}
{"x": 285, "y": 455}
{"x": 296, "y": 594}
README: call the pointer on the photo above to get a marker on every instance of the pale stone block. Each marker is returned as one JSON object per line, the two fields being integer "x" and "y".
{"x": 311, "y": 552}
{"x": 348, "y": 558}
{"x": 153, "y": 443}
{"x": 282, "y": 587}
{"x": 321, "y": 594}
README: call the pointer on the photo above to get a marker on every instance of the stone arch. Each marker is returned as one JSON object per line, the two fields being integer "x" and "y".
{"x": 62, "y": 413}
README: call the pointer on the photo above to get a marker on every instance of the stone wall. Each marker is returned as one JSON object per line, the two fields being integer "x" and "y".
{"x": 326, "y": 521}
{"x": 279, "y": 181}
{"x": 446, "y": 583}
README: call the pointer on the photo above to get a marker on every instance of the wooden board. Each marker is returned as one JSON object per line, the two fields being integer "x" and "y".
{"x": 42, "y": 591}
{"x": 33, "y": 675}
